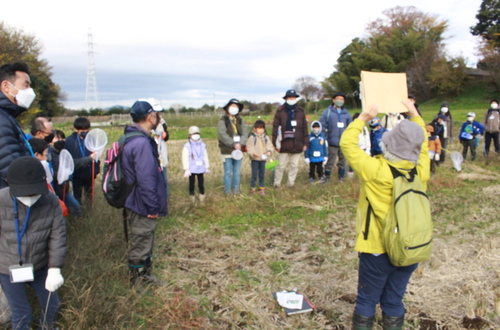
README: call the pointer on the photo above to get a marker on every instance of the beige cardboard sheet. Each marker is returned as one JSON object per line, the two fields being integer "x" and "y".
{"x": 386, "y": 90}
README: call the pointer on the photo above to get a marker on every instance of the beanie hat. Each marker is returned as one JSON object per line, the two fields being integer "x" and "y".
{"x": 405, "y": 140}
{"x": 26, "y": 176}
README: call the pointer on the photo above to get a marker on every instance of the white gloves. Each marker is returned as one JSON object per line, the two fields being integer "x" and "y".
{"x": 187, "y": 173}
{"x": 325, "y": 161}
{"x": 54, "y": 279}
{"x": 436, "y": 158}
{"x": 207, "y": 171}
{"x": 307, "y": 160}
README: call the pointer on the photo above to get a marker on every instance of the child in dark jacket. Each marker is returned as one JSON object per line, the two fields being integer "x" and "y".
{"x": 75, "y": 144}
{"x": 376, "y": 136}
{"x": 316, "y": 154}
{"x": 468, "y": 135}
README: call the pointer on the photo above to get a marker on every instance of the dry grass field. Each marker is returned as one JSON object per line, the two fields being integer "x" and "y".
{"x": 221, "y": 261}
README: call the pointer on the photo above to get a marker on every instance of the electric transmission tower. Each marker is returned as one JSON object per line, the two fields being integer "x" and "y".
{"x": 91, "y": 94}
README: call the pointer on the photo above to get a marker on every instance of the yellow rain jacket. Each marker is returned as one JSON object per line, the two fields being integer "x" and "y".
{"x": 376, "y": 184}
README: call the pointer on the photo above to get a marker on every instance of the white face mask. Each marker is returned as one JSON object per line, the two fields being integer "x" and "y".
{"x": 195, "y": 137}
{"x": 233, "y": 111}
{"x": 444, "y": 110}
{"x": 494, "y": 106}
{"x": 48, "y": 171}
{"x": 24, "y": 97}
{"x": 471, "y": 119}
{"x": 29, "y": 200}
{"x": 291, "y": 101}
{"x": 316, "y": 130}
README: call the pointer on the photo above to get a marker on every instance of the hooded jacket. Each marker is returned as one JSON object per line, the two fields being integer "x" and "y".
{"x": 318, "y": 146}
{"x": 376, "y": 184}
{"x": 13, "y": 142}
{"x": 140, "y": 165}
{"x": 300, "y": 137}
{"x": 334, "y": 124}
{"x": 44, "y": 243}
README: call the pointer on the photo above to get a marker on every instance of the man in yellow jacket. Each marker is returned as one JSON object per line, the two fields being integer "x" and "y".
{"x": 379, "y": 281}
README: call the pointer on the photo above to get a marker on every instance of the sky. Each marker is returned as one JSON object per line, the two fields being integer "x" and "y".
{"x": 197, "y": 51}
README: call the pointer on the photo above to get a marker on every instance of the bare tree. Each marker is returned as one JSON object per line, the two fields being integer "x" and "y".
{"x": 309, "y": 88}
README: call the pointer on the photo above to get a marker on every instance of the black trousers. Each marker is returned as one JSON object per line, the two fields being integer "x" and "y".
{"x": 487, "y": 142}
{"x": 315, "y": 167}
{"x": 201, "y": 186}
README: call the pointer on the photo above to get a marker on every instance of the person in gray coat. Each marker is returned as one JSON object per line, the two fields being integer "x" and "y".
{"x": 32, "y": 243}
{"x": 334, "y": 120}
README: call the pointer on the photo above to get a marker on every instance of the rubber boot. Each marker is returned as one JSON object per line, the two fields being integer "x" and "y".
{"x": 146, "y": 276}
{"x": 202, "y": 198}
{"x": 327, "y": 175}
{"x": 341, "y": 174}
{"x": 262, "y": 191}
{"x": 134, "y": 273}
{"x": 392, "y": 322}
{"x": 360, "y": 322}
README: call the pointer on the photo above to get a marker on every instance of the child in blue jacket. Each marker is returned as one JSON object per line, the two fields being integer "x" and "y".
{"x": 468, "y": 135}
{"x": 316, "y": 154}
{"x": 376, "y": 136}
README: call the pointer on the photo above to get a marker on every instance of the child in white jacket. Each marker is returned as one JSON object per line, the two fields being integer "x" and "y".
{"x": 195, "y": 162}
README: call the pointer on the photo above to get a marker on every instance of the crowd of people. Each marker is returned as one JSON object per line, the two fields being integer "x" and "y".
{"x": 34, "y": 201}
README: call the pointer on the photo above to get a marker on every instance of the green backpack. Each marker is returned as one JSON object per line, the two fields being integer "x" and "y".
{"x": 407, "y": 232}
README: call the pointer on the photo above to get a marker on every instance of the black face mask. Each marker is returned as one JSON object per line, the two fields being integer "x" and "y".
{"x": 49, "y": 138}
{"x": 83, "y": 134}
{"x": 59, "y": 145}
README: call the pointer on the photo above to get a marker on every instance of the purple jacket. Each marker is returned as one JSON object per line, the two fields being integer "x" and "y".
{"x": 140, "y": 164}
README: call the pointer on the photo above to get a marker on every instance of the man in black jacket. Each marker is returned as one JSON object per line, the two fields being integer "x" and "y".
{"x": 16, "y": 96}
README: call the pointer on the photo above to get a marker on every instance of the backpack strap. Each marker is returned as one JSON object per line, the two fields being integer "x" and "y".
{"x": 395, "y": 174}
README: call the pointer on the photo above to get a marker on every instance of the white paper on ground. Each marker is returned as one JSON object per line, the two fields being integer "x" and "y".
{"x": 290, "y": 300}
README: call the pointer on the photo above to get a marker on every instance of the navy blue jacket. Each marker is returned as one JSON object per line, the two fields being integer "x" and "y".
{"x": 375, "y": 139}
{"x": 13, "y": 143}
{"x": 76, "y": 147}
{"x": 334, "y": 124}
{"x": 318, "y": 145}
{"x": 140, "y": 164}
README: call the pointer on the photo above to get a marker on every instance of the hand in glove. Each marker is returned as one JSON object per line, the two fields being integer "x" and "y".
{"x": 207, "y": 171}
{"x": 187, "y": 173}
{"x": 307, "y": 160}
{"x": 325, "y": 161}
{"x": 54, "y": 279}
{"x": 436, "y": 157}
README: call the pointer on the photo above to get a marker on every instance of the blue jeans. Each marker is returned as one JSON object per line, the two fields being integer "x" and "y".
{"x": 232, "y": 173}
{"x": 381, "y": 282}
{"x": 73, "y": 205}
{"x": 17, "y": 296}
{"x": 258, "y": 171}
